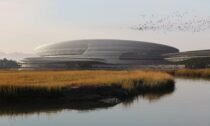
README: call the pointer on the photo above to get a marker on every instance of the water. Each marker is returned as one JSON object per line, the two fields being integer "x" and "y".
{"x": 188, "y": 105}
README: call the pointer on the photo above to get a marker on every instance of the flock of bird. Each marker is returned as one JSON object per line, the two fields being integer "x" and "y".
{"x": 177, "y": 21}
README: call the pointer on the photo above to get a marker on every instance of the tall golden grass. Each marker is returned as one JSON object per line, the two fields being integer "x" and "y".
{"x": 193, "y": 73}
{"x": 13, "y": 81}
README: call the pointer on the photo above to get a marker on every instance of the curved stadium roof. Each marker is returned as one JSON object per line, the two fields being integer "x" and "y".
{"x": 100, "y": 51}
{"x": 79, "y": 47}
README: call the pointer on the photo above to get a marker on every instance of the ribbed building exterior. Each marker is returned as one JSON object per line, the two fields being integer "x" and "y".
{"x": 99, "y": 54}
{"x": 184, "y": 56}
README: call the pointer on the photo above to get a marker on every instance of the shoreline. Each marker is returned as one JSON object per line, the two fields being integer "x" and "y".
{"x": 88, "y": 98}
{"x": 191, "y": 73}
{"x": 109, "y": 87}
{"x": 87, "y": 93}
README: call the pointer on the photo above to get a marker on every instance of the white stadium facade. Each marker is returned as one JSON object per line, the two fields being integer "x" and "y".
{"x": 106, "y": 54}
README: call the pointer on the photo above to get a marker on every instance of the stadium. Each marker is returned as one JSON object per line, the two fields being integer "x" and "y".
{"x": 101, "y": 54}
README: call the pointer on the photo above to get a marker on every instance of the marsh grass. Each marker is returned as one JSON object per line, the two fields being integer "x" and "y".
{"x": 52, "y": 83}
{"x": 193, "y": 73}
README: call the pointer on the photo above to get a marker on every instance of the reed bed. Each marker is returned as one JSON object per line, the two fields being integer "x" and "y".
{"x": 193, "y": 73}
{"x": 14, "y": 83}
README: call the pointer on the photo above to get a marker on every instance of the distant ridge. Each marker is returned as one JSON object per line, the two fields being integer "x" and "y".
{"x": 15, "y": 55}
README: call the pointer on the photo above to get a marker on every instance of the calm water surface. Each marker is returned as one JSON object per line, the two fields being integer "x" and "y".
{"x": 188, "y": 105}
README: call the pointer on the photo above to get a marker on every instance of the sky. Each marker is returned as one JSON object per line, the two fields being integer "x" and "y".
{"x": 26, "y": 24}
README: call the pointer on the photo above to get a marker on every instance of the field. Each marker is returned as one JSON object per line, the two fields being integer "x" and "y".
{"x": 193, "y": 73}
{"x": 54, "y": 83}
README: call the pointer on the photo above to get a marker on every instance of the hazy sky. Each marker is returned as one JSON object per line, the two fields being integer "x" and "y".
{"x": 26, "y": 24}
